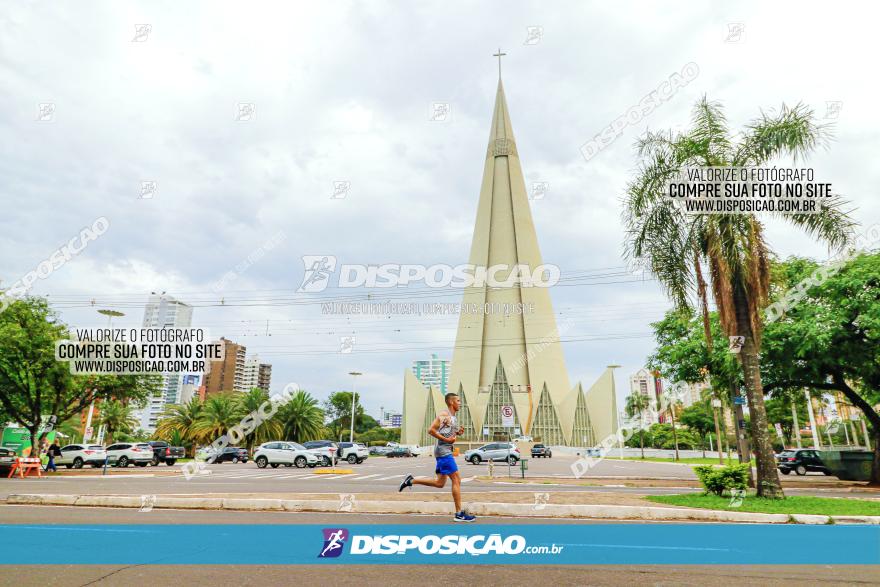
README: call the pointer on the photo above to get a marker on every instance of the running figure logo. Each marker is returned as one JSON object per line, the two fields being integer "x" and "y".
{"x": 334, "y": 541}
{"x": 317, "y": 272}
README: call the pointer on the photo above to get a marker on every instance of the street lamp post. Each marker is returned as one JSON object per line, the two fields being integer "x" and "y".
{"x": 354, "y": 375}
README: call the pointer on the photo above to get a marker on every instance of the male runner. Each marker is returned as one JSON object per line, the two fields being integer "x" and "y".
{"x": 445, "y": 429}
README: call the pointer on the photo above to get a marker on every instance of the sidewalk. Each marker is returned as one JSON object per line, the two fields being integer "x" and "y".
{"x": 513, "y": 504}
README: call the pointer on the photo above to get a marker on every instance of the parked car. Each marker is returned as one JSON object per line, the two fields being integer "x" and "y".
{"x": 7, "y": 458}
{"x": 539, "y": 450}
{"x": 231, "y": 454}
{"x": 285, "y": 453}
{"x": 801, "y": 461}
{"x": 494, "y": 451}
{"x": 164, "y": 453}
{"x": 380, "y": 450}
{"x": 77, "y": 455}
{"x": 415, "y": 449}
{"x": 322, "y": 449}
{"x": 121, "y": 454}
{"x": 400, "y": 451}
{"x": 523, "y": 438}
{"x": 353, "y": 452}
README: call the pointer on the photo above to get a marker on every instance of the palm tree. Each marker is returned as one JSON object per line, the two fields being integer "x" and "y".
{"x": 182, "y": 420}
{"x": 636, "y": 404}
{"x": 301, "y": 418}
{"x": 219, "y": 413}
{"x": 675, "y": 245}
{"x": 270, "y": 429}
{"x": 116, "y": 417}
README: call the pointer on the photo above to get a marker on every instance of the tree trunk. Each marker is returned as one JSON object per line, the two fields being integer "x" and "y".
{"x": 674, "y": 435}
{"x": 870, "y": 415}
{"x": 767, "y": 483}
{"x": 875, "y": 465}
{"x": 642, "y": 440}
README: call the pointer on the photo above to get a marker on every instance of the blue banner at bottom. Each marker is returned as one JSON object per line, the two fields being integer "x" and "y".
{"x": 588, "y": 544}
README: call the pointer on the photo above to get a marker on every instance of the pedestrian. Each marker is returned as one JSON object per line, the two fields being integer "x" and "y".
{"x": 53, "y": 451}
{"x": 446, "y": 430}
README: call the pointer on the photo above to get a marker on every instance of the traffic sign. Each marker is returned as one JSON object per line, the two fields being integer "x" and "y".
{"x": 507, "y": 416}
{"x": 739, "y": 400}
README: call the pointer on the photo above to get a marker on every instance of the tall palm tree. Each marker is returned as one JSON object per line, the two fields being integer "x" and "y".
{"x": 636, "y": 404}
{"x": 219, "y": 413}
{"x": 301, "y": 418}
{"x": 270, "y": 429}
{"x": 116, "y": 417}
{"x": 675, "y": 245}
{"x": 182, "y": 420}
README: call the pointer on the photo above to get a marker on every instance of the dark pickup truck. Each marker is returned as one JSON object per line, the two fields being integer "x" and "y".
{"x": 539, "y": 451}
{"x": 163, "y": 453}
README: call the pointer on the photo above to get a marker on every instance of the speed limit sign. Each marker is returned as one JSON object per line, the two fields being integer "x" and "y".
{"x": 507, "y": 416}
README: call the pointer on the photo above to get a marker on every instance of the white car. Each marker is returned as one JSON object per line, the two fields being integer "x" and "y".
{"x": 415, "y": 449}
{"x": 285, "y": 453}
{"x": 121, "y": 454}
{"x": 77, "y": 455}
{"x": 523, "y": 439}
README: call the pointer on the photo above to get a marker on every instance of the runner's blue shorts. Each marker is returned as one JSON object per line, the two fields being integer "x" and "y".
{"x": 446, "y": 465}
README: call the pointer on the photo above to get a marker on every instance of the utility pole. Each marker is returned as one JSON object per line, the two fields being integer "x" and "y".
{"x": 354, "y": 375}
{"x": 797, "y": 427}
{"x": 816, "y": 443}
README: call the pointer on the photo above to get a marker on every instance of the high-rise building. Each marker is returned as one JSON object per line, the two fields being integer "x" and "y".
{"x": 227, "y": 375}
{"x": 163, "y": 311}
{"x": 433, "y": 372}
{"x": 643, "y": 382}
{"x": 507, "y": 363}
{"x": 256, "y": 374}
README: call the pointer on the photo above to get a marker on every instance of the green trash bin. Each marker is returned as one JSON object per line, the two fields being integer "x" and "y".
{"x": 523, "y": 467}
{"x": 848, "y": 465}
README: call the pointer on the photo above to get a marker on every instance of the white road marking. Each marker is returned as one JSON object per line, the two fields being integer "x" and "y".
{"x": 389, "y": 477}
{"x": 366, "y": 476}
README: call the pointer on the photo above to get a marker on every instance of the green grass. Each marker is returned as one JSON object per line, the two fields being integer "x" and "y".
{"x": 828, "y": 506}
{"x": 686, "y": 461}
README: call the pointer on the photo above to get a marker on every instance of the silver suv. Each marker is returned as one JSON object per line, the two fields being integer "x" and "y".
{"x": 494, "y": 451}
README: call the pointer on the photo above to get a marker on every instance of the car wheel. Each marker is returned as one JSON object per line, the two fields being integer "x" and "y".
{"x": 274, "y": 465}
{"x": 785, "y": 471}
{"x": 155, "y": 461}
{"x": 800, "y": 470}
{"x": 78, "y": 463}
{"x": 262, "y": 462}
{"x": 122, "y": 462}
{"x": 325, "y": 461}
{"x": 352, "y": 459}
{"x": 234, "y": 460}
{"x": 300, "y": 462}
{"x": 170, "y": 462}
{"x": 68, "y": 466}
{"x": 511, "y": 460}
{"x": 475, "y": 460}
{"x": 826, "y": 472}
{"x": 549, "y": 455}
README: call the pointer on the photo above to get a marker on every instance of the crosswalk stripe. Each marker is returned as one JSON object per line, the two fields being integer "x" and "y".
{"x": 389, "y": 477}
{"x": 366, "y": 476}
{"x": 333, "y": 476}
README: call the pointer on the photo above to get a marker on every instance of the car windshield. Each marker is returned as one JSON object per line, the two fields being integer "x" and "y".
{"x": 143, "y": 446}
{"x": 787, "y": 453}
{"x": 96, "y": 447}
{"x": 297, "y": 446}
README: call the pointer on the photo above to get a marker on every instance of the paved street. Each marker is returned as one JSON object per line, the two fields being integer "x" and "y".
{"x": 127, "y": 575}
{"x": 376, "y": 475}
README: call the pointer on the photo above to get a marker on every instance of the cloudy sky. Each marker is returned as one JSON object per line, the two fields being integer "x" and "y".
{"x": 91, "y": 107}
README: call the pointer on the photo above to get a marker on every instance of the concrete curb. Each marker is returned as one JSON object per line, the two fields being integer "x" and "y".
{"x": 600, "y": 512}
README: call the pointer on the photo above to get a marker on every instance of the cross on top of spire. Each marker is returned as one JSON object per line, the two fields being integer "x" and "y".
{"x": 499, "y": 55}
